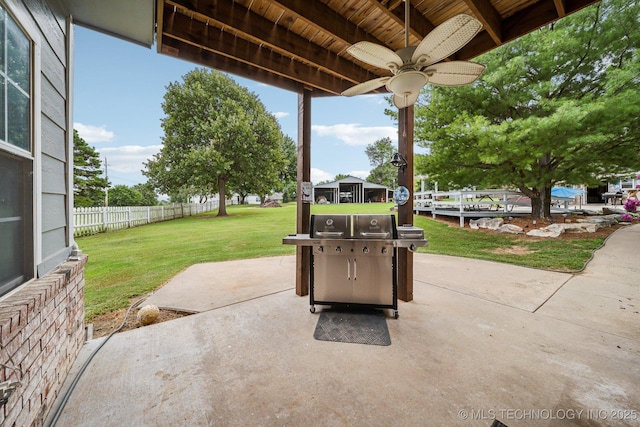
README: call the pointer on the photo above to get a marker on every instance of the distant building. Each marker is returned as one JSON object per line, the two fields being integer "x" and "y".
{"x": 624, "y": 184}
{"x": 350, "y": 190}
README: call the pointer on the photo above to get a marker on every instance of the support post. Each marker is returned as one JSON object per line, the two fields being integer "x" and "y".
{"x": 405, "y": 212}
{"x": 303, "y": 211}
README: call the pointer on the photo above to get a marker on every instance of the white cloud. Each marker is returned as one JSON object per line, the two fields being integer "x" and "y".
{"x": 93, "y": 134}
{"x": 356, "y": 134}
{"x": 318, "y": 175}
{"x": 280, "y": 114}
{"x": 128, "y": 159}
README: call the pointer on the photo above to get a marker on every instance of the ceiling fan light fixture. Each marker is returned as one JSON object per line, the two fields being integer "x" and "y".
{"x": 407, "y": 64}
{"x": 407, "y": 84}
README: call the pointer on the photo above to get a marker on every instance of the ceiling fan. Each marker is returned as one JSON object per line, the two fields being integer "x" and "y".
{"x": 414, "y": 66}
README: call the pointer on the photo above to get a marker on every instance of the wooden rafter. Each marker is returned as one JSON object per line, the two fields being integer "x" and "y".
{"x": 296, "y": 44}
{"x": 490, "y": 18}
{"x": 326, "y": 19}
{"x": 560, "y": 8}
{"x": 247, "y": 41}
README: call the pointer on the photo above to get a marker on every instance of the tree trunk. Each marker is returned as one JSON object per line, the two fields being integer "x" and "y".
{"x": 546, "y": 202}
{"x": 540, "y": 201}
{"x": 222, "y": 205}
{"x": 536, "y": 205}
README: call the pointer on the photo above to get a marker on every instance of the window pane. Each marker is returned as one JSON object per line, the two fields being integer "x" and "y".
{"x": 10, "y": 253}
{"x": 18, "y": 52}
{"x": 11, "y": 197}
{"x": 18, "y": 118}
{"x": 16, "y": 251}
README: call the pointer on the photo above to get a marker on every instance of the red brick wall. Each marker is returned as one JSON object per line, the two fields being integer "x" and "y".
{"x": 41, "y": 332}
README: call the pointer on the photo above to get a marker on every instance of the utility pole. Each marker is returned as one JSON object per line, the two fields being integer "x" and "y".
{"x": 106, "y": 190}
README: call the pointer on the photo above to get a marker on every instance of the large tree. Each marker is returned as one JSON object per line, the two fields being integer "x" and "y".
{"x": 379, "y": 153}
{"x": 149, "y": 196}
{"x": 121, "y": 195}
{"x": 558, "y": 105}
{"x": 88, "y": 182}
{"x": 218, "y": 137}
{"x": 289, "y": 175}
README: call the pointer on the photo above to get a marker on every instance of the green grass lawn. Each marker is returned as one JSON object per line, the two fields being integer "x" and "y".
{"x": 132, "y": 262}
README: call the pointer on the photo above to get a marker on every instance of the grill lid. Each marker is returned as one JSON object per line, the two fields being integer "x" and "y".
{"x": 374, "y": 227}
{"x": 330, "y": 226}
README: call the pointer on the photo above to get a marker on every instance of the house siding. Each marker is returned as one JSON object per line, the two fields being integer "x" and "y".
{"x": 55, "y": 218}
{"x": 42, "y": 322}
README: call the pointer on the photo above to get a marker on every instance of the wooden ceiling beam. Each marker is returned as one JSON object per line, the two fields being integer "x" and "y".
{"x": 489, "y": 16}
{"x": 262, "y": 32}
{"x": 523, "y": 22}
{"x": 571, "y": 6}
{"x": 188, "y": 52}
{"x": 321, "y": 16}
{"x": 221, "y": 42}
{"x": 419, "y": 26}
{"x": 535, "y": 16}
{"x": 560, "y": 8}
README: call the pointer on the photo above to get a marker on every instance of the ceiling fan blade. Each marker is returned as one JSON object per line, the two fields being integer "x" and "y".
{"x": 402, "y": 101}
{"x": 376, "y": 55}
{"x": 446, "y": 39}
{"x": 454, "y": 73}
{"x": 366, "y": 86}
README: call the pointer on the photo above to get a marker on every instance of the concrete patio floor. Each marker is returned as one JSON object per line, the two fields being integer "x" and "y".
{"x": 480, "y": 341}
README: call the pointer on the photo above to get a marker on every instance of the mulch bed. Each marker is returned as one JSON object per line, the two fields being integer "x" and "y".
{"x": 527, "y": 224}
{"x": 106, "y": 323}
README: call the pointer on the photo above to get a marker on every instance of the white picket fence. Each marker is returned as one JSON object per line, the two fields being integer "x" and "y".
{"x": 88, "y": 221}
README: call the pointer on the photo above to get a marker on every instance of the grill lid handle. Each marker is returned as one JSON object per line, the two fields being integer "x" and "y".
{"x": 373, "y": 234}
{"x": 330, "y": 233}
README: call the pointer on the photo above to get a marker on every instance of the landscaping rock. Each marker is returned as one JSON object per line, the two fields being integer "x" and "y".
{"x": 586, "y": 224}
{"x": 602, "y": 221}
{"x": 148, "y": 314}
{"x": 612, "y": 211}
{"x": 490, "y": 223}
{"x": 510, "y": 228}
{"x": 553, "y": 230}
{"x": 581, "y": 227}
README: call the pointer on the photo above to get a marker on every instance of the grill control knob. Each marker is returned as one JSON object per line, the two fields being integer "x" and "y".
{"x": 338, "y": 249}
{"x": 384, "y": 250}
{"x": 365, "y": 250}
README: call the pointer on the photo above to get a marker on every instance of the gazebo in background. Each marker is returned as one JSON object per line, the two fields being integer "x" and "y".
{"x": 350, "y": 190}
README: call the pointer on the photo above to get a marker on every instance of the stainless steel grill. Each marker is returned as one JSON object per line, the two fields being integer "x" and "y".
{"x": 354, "y": 259}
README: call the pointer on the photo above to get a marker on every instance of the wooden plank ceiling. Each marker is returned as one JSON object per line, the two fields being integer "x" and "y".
{"x": 301, "y": 44}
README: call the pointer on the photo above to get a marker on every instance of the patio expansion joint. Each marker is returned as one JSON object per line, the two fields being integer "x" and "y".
{"x": 474, "y": 296}
{"x": 229, "y": 304}
{"x": 553, "y": 293}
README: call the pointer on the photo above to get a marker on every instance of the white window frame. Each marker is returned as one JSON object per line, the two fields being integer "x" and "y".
{"x": 22, "y": 18}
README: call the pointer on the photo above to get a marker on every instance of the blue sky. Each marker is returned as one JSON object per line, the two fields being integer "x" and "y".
{"x": 119, "y": 88}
